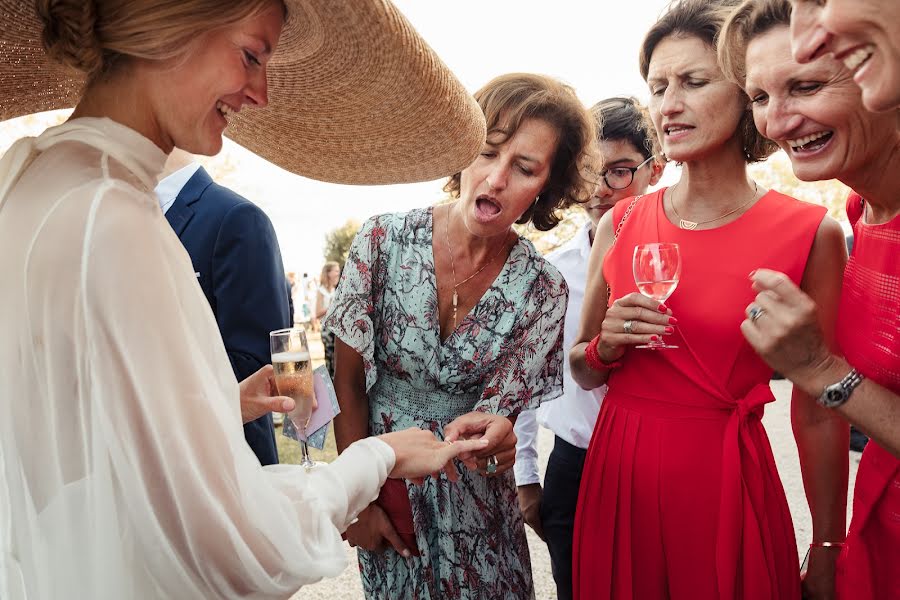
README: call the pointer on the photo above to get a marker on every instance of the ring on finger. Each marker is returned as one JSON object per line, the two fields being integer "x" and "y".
{"x": 492, "y": 464}
{"x": 755, "y": 313}
{"x": 628, "y": 326}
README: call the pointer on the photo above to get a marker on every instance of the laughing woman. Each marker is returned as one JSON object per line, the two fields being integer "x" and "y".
{"x": 816, "y": 114}
{"x": 446, "y": 316}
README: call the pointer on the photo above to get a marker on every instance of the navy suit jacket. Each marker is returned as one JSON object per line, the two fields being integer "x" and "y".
{"x": 233, "y": 247}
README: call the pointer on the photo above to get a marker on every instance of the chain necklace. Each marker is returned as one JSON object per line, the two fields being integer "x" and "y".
{"x": 453, "y": 266}
{"x": 692, "y": 225}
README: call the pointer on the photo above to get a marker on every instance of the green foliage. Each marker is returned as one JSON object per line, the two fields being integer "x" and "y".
{"x": 337, "y": 242}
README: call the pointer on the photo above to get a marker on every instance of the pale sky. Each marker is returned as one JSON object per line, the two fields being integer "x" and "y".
{"x": 592, "y": 45}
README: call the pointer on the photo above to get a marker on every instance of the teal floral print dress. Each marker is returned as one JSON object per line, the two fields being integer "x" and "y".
{"x": 504, "y": 356}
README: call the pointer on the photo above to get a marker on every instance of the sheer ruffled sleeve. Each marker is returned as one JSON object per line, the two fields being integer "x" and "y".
{"x": 353, "y": 315}
{"x": 529, "y": 370}
{"x": 208, "y": 520}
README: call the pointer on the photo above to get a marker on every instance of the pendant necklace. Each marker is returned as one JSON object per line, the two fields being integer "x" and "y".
{"x": 456, "y": 285}
{"x": 692, "y": 225}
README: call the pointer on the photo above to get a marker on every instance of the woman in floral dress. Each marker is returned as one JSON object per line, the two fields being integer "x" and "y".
{"x": 445, "y": 318}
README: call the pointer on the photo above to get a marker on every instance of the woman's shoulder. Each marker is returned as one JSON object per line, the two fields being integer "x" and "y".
{"x": 535, "y": 261}
{"x": 783, "y": 202}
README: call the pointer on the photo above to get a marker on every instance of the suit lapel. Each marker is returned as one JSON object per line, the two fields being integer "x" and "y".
{"x": 181, "y": 212}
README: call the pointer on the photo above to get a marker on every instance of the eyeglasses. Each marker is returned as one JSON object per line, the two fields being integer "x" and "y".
{"x": 619, "y": 178}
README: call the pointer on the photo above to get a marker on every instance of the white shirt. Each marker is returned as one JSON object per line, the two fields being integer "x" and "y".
{"x": 571, "y": 416}
{"x": 123, "y": 467}
{"x": 167, "y": 189}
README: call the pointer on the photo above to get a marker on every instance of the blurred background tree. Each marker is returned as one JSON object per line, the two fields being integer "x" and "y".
{"x": 337, "y": 242}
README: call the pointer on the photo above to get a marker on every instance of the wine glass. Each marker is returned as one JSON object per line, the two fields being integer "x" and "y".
{"x": 657, "y": 268}
{"x": 294, "y": 378}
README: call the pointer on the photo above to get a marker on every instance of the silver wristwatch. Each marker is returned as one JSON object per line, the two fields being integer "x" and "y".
{"x": 838, "y": 393}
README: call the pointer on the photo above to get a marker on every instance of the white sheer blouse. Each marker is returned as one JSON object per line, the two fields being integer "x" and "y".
{"x": 123, "y": 468}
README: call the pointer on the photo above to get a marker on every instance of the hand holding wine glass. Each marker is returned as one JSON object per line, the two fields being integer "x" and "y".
{"x": 294, "y": 378}
{"x": 657, "y": 269}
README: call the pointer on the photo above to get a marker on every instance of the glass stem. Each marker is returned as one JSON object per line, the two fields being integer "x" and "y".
{"x": 304, "y": 455}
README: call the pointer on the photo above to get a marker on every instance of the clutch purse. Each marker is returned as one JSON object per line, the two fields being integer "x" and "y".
{"x": 394, "y": 501}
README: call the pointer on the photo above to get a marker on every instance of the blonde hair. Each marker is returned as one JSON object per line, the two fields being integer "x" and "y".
{"x": 93, "y": 36}
{"x": 323, "y": 276}
{"x": 509, "y": 100}
{"x": 748, "y": 21}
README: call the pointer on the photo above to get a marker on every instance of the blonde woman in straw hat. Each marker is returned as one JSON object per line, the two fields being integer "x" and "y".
{"x": 446, "y": 319}
{"x": 110, "y": 359}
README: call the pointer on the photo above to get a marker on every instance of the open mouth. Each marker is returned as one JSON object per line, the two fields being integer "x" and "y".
{"x": 858, "y": 57}
{"x": 486, "y": 208}
{"x": 224, "y": 110}
{"x": 811, "y": 142}
{"x": 675, "y": 130}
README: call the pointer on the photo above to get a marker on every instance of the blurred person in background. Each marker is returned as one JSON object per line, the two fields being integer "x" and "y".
{"x": 331, "y": 273}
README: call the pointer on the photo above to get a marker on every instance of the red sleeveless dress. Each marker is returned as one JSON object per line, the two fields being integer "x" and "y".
{"x": 869, "y": 336}
{"x": 680, "y": 497}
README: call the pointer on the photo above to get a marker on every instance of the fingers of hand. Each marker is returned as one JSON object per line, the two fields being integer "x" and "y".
{"x": 390, "y": 534}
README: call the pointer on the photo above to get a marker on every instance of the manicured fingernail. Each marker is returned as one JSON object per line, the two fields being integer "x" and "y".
{"x": 484, "y": 441}
{"x": 752, "y": 273}
{"x": 670, "y": 329}
{"x": 673, "y": 321}
{"x": 654, "y": 338}
{"x": 406, "y": 554}
{"x": 663, "y": 308}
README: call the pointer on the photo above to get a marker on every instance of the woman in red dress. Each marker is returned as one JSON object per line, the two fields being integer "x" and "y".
{"x": 861, "y": 149}
{"x": 680, "y": 496}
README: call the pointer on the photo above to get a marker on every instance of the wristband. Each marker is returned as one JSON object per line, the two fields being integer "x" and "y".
{"x": 593, "y": 360}
{"x": 827, "y": 545}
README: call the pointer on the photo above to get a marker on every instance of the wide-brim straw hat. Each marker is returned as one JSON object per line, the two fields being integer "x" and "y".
{"x": 355, "y": 94}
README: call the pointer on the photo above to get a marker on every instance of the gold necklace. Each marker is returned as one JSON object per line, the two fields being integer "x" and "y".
{"x": 453, "y": 266}
{"x": 692, "y": 225}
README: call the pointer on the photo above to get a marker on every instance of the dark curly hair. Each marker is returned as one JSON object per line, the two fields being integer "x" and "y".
{"x": 509, "y": 100}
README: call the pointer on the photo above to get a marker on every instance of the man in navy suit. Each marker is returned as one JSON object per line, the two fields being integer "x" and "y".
{"x": 237, "y": 261}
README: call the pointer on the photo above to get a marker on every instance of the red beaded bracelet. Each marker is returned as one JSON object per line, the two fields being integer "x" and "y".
{"x": 593, "y": 360}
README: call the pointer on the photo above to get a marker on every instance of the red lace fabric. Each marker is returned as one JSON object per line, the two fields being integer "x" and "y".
{"x": 869, "y": 334}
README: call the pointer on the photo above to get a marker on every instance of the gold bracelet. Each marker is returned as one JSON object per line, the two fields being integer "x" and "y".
{"x": 827, "y": 545}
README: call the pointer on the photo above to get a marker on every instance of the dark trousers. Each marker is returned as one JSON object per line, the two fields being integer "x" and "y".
{"x": 561, "y": 483}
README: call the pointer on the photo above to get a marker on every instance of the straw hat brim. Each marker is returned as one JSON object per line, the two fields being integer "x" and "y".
{"x": 355, "y": 94}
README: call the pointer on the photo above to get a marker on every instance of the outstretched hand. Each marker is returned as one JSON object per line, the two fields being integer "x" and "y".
{"x": 259, "y": 396}
{"x": 419, "y": 453}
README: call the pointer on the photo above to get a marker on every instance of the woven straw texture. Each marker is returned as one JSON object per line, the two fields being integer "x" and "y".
{"x": 355, "y": 94}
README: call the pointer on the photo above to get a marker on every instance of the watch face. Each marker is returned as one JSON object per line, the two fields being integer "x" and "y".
{"x": 835, "y": 395}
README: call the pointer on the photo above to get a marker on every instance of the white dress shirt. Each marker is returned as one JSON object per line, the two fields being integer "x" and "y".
{"x": 167, "y": 189}
{"x": 573, "y": 415}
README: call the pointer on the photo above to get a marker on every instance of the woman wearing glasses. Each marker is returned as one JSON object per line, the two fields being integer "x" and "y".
{"x": 680, "y": 496}
{"x": 626, "y": 149}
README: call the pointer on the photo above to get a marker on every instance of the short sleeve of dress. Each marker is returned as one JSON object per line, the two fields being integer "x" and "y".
{"x": 352, "y": 315}
{"x": 530, "y": 369}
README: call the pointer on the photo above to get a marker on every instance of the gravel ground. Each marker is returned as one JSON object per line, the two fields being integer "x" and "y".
{"x": 777, "y": 423}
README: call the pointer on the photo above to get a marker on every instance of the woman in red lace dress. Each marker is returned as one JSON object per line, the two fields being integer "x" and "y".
{"x": 827, "y": 134}
{"x": 680, "y": 496}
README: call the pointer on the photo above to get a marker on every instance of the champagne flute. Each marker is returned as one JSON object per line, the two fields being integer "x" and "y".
{"x": 657, "y": 268}
{"x": 294, "y": 378}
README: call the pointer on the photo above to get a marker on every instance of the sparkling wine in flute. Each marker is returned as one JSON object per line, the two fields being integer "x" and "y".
{"x": 293, "y": 378}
